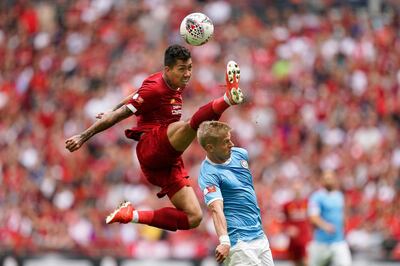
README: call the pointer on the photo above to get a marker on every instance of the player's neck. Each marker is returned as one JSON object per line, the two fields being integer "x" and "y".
{"x": 167, "y": 81}
{"x": 330, "y": 189}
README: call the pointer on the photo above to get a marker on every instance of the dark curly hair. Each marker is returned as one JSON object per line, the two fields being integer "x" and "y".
{"x": 174, "y": 53}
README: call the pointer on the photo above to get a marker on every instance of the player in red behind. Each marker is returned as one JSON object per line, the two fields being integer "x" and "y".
{"x": 162, "y": 138}
{"x": 297, "y": 226}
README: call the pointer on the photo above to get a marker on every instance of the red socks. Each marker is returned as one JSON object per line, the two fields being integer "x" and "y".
{"x": 208, "y": 112}
{"x": 219, "y": 105}
{"x": 165, "y": 218}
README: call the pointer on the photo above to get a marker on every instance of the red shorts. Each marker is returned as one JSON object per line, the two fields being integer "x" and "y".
{"x": 161, "y": 164}
{"x": 297, "y": 249}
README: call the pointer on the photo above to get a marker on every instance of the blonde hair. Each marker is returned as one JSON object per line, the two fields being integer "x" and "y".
{"x": 210, "y": 132}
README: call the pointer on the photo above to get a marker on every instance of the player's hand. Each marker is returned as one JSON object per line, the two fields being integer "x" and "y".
{"x": 329, "y": 228}
{"x": 100, "y": 115}
{"x": 74, "y": 143}
{"x": 221, "y": 252}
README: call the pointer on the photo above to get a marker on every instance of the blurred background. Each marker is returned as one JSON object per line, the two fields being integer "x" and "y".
{"x": 322, "y": 81}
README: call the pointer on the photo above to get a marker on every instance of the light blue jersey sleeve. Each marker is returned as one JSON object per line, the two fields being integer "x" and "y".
{"x": 209, "y": 184}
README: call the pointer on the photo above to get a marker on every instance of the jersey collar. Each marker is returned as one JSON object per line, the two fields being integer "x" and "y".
{"x": 224, "y": 163}
{"x": 329, "y": 192}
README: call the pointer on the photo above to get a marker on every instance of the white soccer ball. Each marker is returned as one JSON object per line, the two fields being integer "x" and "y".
{"x": 196, "y": 29}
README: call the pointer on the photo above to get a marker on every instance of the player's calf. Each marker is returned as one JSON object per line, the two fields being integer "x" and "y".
{"x": 195, "y": 219}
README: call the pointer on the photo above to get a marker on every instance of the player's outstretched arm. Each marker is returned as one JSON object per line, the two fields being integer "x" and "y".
{"x": 217, "y": 214}
{"x": 122, "y": 103}
{"x": 107, "y": 121}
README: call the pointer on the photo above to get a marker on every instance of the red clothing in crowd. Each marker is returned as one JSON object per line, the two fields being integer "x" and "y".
{"x": 296, "y": 218}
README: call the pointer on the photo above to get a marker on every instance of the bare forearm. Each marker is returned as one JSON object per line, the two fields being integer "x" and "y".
{"x": 219, "y": 220}
{"x": 118, "y": 106}
{"x": 97, "y": 127}
{"x": 105, "y": 122}
{"x": 218, "y": 216}
{"x": 319, "y": 222}
{"x": 124, "y": 101}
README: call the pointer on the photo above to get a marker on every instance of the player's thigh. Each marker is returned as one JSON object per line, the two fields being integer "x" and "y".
{"x": 154, "y": 150}
{"x": 241, "y": 255}
{"x": 266, "y": 258}
{"x": 180, "y": 135}
{"x": 264, "y": 252}
{"x": 252, "y": 253}
{"x": 341, "y": 254}
{"x": 185, "y": 199}
{"x": 319, "y": 254}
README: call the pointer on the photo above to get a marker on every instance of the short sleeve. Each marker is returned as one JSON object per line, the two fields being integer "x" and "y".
{"x": 145, "y": 100}
{"x": 210, "y": 186}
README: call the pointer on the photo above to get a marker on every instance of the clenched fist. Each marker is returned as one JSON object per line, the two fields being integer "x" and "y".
{"x": 74, "y": 143}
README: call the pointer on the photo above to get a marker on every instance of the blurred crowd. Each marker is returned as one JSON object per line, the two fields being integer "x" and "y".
{"x": 322, "y": 84}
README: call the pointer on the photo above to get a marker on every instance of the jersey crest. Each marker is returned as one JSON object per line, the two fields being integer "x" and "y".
{"x": 244, "y": 164}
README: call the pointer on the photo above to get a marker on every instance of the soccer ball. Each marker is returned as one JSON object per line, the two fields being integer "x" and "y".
{"x": 196, "y": 29}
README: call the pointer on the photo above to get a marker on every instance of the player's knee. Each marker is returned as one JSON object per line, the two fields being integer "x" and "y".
{"x": 180, "y": 135}
{"x": 195, "y": 219}
{"x": 186, "y": 130}
{"x": 178, "y": 128}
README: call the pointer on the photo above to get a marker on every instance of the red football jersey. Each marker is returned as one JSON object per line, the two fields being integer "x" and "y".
{"x": 296, "y": 215}
{"x": 154, "y": 104}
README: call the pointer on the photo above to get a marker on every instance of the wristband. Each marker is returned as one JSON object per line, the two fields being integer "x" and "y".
{"x": 224, "y": 239}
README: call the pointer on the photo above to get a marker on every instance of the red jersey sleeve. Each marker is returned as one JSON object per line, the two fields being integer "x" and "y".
{"x": 145, "y": 99}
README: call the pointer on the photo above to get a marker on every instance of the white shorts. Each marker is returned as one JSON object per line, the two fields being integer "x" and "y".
{"x": 251, "y": 253}
{"x": 338, "y": 254}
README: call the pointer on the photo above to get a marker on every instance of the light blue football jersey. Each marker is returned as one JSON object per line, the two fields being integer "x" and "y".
{"x": 232, "y": 182}
{"x": 330, "y": 207}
